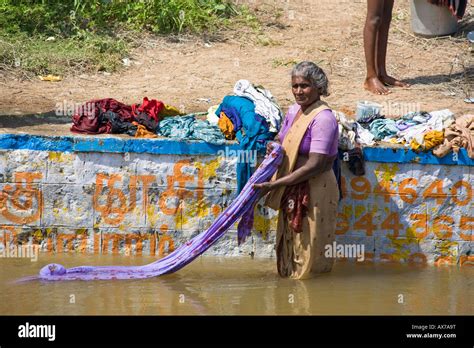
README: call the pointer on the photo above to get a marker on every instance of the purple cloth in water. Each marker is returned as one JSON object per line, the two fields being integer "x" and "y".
{"x": 243, "y": 206}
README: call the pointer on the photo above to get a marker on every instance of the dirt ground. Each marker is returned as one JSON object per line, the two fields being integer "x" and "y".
{"x": 194, "y": 74}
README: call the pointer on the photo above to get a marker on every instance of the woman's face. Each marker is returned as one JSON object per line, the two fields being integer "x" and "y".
{"x": 304, "y": 92}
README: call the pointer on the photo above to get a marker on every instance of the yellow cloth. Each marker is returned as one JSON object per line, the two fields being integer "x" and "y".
{"x": 169, "y": 110}
{"x": 302, "y": 255}
{"x": 433, "y": 138}
{"x": 430, "y": 139}
{"x": 142, "y": 132}
{"x": 226, "y": 126}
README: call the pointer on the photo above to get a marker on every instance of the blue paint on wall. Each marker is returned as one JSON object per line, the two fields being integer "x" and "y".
{"x": 153, "y": 146}
{"x": 35, "y": 142}
{"x": 402, "y": 155}
{"x": 180, "y": 147}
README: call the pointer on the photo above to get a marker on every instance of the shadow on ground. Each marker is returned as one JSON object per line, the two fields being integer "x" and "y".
{"x": 15, "y": 121}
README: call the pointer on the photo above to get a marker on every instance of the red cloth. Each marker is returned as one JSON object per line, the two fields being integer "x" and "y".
{"x": 294, "y": 203}
{"x": 88, "y": 120}
{"x": 151, "y": 107}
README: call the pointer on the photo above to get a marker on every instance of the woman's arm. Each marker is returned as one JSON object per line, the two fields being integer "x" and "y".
{"x": 316, "y": 164}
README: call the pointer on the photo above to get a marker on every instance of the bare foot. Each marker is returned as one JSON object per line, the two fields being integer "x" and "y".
{"x": 391, "y": 81}
{"x": 374, "y": 85}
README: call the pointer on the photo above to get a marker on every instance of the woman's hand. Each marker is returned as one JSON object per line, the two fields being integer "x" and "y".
{"x": 265, "y": 187}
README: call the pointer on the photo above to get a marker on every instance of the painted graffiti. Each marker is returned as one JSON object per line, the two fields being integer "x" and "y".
{"x": 88, "y": 241}
{"x": 117, "y": 204}
{"x": 22, "y": 202}
{"x": 402, "y": 215}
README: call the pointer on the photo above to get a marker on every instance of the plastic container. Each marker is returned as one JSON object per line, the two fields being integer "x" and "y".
{"x": 366, "y": 108}
{"x": 430, "y": 20}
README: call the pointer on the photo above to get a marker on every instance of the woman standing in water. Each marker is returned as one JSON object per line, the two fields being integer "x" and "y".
{"x": 304, "y": 189}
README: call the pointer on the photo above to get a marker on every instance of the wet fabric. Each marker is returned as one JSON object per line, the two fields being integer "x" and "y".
{"x": 302, "y": 255}
{"x": 91, "y": 120}
{"x": 89, "y": 124}
{"x": 252, "y": 136}
{"x": 188, "y": 127}
{"x": 211, "y": 116}
{"x": 226, "y": 127}
{"x": 169, "y": 110}
{"x": 150, "y": 107}
{"x": 382, "y": 128}
{"x": 145, "y": 120}
{"x": 438, "y": 121}
{"x": 294, "y": 205}
{"x": 457, "y": 7}
{"x": 233, "y": 116}
{"x": 111, "y": 116}
{"x": 412, "y": 119}
{"x": 265, "y": 104}
{"x": 347, "y": 134}
{"x": 242, "y": 206}
{"x": 458, "y": 135}
{"x": 118, "y": 126}
{"x": 430, "y": 140}
{"x": 143, "y": 132}
{"x": 352, "y": 133}
{"x": 356, "y": 161}
{"x": 365, "y": 121}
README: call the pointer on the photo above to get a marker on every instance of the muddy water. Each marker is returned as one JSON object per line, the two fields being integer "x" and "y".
{"x": 238, "y": 286}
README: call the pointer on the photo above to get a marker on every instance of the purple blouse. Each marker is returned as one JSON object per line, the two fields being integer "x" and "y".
{"x": 321, "y": 136}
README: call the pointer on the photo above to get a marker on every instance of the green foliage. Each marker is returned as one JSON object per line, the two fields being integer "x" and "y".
{"x": 67, "y": 18}
{"x": 84, "y": 31}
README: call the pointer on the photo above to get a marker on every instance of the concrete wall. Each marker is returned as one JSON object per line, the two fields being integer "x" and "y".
{"x": 142, "y": 196}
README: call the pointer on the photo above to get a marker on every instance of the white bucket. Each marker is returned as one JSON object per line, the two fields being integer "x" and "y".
{"x": 431, "y": 20}
{"x": 366, "y": 108}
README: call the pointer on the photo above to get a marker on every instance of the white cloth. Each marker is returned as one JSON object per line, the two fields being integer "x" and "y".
{"x": 265, "y": 104}
{"x": 439, "y": 120}
{"x": 211, "y": 117}
{"x": 352, "y": 133}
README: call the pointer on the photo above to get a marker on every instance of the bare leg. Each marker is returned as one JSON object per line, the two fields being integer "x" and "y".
{"x": 382, "y": 41}
{"x": 372, "y": 26}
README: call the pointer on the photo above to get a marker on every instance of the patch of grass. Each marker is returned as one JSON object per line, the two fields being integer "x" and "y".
{"x": 85, "y": 31}
{"x": 37, "y": 56}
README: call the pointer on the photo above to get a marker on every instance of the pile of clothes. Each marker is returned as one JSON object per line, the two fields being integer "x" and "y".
{"x": 352, "y": 137}
{"x": 253, "y": 117}
{"x": 421, "y": 131}
{"x": 458, "y": 135}
{"x": 146, "y": 120}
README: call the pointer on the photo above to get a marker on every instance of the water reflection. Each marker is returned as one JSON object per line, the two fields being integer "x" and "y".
{"x": 239, "y": 286}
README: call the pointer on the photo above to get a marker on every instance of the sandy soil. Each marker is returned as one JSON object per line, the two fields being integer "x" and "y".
{"x": 194, "y": 73}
